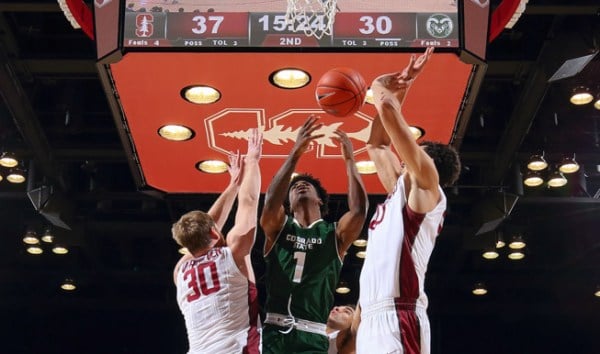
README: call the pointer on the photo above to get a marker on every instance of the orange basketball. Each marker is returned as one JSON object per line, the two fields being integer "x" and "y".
{"x": 341, "y": 91}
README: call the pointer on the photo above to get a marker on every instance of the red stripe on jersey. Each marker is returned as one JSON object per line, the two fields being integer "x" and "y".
{"x": 410, "y": 333}
{"x": 409, "y": 282}
{"x": 253, "y": 340}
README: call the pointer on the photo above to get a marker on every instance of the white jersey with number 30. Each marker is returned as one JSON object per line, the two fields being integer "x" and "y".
{"x": 218, "y": 303}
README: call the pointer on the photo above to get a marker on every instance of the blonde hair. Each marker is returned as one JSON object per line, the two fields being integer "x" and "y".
{"x": 192, "y": 230}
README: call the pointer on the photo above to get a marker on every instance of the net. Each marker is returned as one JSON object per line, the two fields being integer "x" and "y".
{"x": 313, "y": 17}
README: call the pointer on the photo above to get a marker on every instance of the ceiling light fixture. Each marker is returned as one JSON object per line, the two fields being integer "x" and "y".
{"x": 183, "y": 250}
{"x": 361, "y": 254}
{"x": 68, "y": 285}
{"x": 597, "y": 102}
{"x": 360, "y": 242}
{"x": 342, "y": 288}
{"x": 35, "y": 250}
{"x": 58, "y": 249}
{"x": 8, "y": 159}
{"x": 289, "y": 78}
{"x": 568, "y": 165}
{"x": 200, "y": 94}
{"x": 47, "y": 236}
{"x": 516, "y": 255}
{"x": 581, "y": 95}
{"x": 556, "y": 179}
{"x": 176, "y": 132}
{"x": 537, "y": 163}
{"x": 16, "y": 175}
{"x": 517, "y": 242}
{"x": 479, "y": 289}
{"x": 533, "y": 179}
{"x": 417, "y": 132}
{"x": 212, "y": 166}
{"x": 500, "y": 240}
{"x": 30, "y": 238}
{"x": 597, "y": 292}
{"x": 365, "y": 167}
{"x": 369, "y": 96}
{"x": 490, "y": 254}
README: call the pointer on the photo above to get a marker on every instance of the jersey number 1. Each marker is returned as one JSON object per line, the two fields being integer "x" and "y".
{"x": 198, "y": 280}
{"x": 299, "y": 257}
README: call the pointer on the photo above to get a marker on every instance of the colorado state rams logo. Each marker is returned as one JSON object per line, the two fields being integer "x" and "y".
{"x": 439, "y": 25}
{"x": 144, "y": 25}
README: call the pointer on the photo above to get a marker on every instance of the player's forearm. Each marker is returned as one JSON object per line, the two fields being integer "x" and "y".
{"x": 357, "y": 195}
{"x": 378, "y": 137}
{"x": 249, "y": 194}
{"x": 278, "y": 188}
{"x": 221, "y": 208}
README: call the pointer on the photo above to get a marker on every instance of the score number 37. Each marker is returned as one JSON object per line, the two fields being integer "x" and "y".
{"x": 207, "y": 23}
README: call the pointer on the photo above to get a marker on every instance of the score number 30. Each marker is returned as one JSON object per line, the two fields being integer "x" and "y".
{"x": 379, "y": 25}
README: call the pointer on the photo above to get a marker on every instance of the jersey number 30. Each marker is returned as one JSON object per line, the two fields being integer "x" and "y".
{"x": 203, "y": 280}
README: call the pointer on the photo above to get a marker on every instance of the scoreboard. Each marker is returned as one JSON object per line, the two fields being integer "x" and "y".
{"x": 351, "y": 30}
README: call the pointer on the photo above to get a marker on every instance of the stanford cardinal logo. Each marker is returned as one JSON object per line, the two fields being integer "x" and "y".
{"x": 144, "y": 25}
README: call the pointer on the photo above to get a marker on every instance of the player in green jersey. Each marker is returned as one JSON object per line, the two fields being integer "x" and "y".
{"x": 304, "y": 253}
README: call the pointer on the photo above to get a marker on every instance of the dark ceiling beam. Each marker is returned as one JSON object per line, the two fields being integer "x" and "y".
{"x": 25, "y": 119}
{"x": 524, "y": 111}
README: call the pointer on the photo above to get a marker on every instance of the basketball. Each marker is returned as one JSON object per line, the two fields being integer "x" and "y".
{"x": 341, "y": 91}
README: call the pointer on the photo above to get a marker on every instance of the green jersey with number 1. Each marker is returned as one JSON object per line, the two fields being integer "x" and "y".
{"x": 303, "y": 265}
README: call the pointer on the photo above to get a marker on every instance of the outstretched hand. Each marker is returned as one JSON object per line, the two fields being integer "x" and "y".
{"x": 306, "y": 134}
{"x": 255, "y": 139}
{"x": 398, "y": 83}
{"x": 345, "y": 143}
{"x": 235, "y": 169}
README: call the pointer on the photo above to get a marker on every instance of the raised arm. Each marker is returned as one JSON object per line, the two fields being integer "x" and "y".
{"x": 273, "y": 213}
{"x": 221, "y": 208}
{"x": 389, "y": 91}
{"x": 386, "y": 162}
{"x": 351, "y": 223}
{"x": 241, "y": 237}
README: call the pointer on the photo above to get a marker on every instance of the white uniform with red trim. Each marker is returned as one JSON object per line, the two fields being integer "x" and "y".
{"x": 219, "y": 304}
{"x": 392, "y": 297}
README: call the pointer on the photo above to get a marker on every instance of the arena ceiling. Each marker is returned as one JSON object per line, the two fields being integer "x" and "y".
{"x": 56, "y": 116}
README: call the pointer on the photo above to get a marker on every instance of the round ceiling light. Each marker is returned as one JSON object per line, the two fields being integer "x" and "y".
{"x": 289, "y": 78}
{"x": 365, "y": 167}
{"x": 212, "y": 166}
{"x": 417, "y": 132}
{"x": 200, "y": 94}
{"x": 175, "y": 132}
{"x": 8, "y": 160}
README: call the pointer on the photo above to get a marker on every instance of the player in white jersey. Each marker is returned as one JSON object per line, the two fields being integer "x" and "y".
{"x": 403, "y": 230}
{"x": 215, "y": 281}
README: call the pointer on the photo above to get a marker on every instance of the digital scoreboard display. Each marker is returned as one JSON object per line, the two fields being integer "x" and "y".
{"x": 381, "y": 24}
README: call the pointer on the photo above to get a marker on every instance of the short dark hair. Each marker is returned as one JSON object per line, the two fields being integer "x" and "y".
{"x": 321, "y": 192}
{"x": 446, "y": 159}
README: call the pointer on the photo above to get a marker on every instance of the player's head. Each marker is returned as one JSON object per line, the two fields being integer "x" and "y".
{"x": 195, "y": 230}
{"x": 340, "y": 317}
{"x": 446, "y": 159}
{"x": 304, "y": 186}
